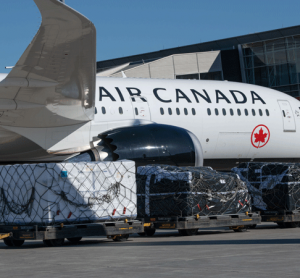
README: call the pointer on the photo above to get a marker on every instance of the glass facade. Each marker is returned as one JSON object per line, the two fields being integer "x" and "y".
{"x": 214, "y": 75}
{"x": 274, "y": 64}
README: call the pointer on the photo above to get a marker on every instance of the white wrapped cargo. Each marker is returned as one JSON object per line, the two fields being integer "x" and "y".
{"x": 51, "y": 193}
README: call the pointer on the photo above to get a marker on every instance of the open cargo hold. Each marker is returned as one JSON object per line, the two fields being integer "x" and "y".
{"x": 47, "y": 194}
{"x": 167, "y": 191}
{"x": 273, "y": 186}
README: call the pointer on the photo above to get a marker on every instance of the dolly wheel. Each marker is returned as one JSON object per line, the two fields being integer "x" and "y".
{"x": 252, "y": 226}
{"x": 13, "y": 242}
{"x": 142, "y": 234}
{"x": 292, "y": 224}
{"x": 281, "y": 224}
{"x": 150, "y": 232}
{"x": 54, "y": 242}
{"x": 240, "y": 229}
{"x": 120, "y": 238}
{"x": 188, "y": 232}
{"x": 74, "y": 239}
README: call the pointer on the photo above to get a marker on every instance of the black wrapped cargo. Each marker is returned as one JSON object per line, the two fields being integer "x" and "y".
{"x": 184, "y": 191}
{"x": 273, "y": 186}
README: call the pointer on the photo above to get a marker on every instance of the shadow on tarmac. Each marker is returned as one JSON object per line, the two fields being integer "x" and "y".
{"x": 156, "y": 240}
{"x": 152, "y": 242}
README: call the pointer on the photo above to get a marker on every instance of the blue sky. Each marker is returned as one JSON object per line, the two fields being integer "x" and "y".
{"x": 128, "y": 27}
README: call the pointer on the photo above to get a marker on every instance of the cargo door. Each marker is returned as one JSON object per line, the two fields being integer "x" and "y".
{"x": 141, "y": 108}
{"x": 287, "y": 116}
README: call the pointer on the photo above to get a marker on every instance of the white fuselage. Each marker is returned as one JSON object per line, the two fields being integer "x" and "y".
{"x": 215, "y": 111}
{"x": 223, "y": 136}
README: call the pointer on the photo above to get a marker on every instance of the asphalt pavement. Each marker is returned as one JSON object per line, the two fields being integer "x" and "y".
{"x": 267, "y": 251}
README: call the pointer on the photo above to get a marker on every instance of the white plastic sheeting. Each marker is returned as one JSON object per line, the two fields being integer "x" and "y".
{"x": 67, "y": 192}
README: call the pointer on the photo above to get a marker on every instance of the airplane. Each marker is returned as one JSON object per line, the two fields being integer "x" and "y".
{"x": 53, "y": 108}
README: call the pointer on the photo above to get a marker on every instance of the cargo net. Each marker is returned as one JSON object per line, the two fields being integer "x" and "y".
{"x": 273, "y": 186}
{"x": 185, "y": 191}
{"x": 67, "y": 192}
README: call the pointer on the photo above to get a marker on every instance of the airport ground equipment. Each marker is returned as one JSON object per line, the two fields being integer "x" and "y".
{"x": 275, "y": 190}
{"x": 170, "y": 191}
{"x": 55, "y": 235}
{"x": 284, "y": 218}
{"x": 188, "y": 226}
{"x": 53, "y": 201}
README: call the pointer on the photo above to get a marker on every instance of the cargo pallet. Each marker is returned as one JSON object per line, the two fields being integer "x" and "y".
{"x": 188, "y": 226}
{"x": 55, "y": 235}
{"x": 284, "y": 218}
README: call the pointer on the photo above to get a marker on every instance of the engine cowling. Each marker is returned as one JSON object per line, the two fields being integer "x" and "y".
{"x": 147, "y": 144}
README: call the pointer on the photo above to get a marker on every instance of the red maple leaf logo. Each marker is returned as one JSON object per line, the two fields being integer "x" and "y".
{"x": 260, "y": 136}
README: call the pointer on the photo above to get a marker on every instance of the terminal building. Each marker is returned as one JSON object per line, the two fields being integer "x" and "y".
{"x": 270, "y": 59}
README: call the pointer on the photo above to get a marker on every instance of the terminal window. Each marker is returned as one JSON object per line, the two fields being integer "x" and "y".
{"x": 188, "y": 76}
{"x": 215, "y": 75}
{"x": 274, "y": 64}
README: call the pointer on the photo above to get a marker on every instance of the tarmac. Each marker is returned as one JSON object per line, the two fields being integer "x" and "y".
{"x": 267, "y": 251}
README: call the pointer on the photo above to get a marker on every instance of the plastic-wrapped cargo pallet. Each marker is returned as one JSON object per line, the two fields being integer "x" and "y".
{"x": 67, "y": 192}
{"x": 273, "y": 186}
{"x": 184, "y": 191}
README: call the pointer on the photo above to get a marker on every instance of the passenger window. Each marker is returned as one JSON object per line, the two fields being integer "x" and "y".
{"x": 208, "y": 112}
{"x": 239, "y": 112}
{"x": 224, "y": 111}
{"x": 96, "y": 110}
{"x": 246, "y": 112}
{"x": 267, "y": 112}
{"x": 253, "y": 112}
{"x": 260, "y": 112}
{"x": 162, "y": 111}
{"x": 193, "y": 111}
{"x": 177, "y": 111}
{"x": 185, "y": 111}
{"x": 103, "y": 110}
{"x": 170, "y": 111}
{"x": 231, "y": 112}
{"x": 216, "y": 111}
{"x": 136, "y": 111}
{"x": 120, "y": 110}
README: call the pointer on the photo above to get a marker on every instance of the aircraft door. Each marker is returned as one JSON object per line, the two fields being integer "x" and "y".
{"x": 287, "y": 116}
{"x": 141, "y": 108}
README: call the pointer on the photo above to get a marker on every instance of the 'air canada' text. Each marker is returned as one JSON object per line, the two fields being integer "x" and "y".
{"x": 161, "y": 94}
